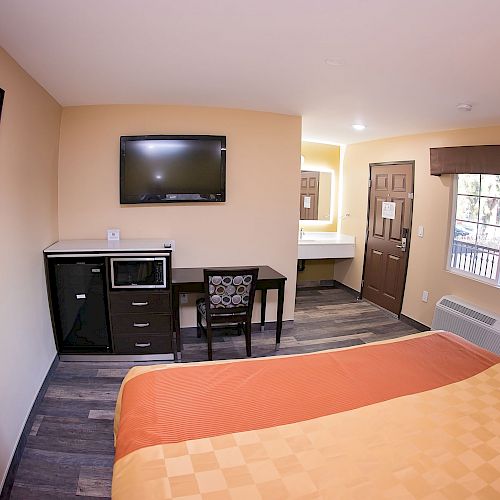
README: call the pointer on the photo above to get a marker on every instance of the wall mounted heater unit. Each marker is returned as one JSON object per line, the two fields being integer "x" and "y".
{"x": 470, "y": 322}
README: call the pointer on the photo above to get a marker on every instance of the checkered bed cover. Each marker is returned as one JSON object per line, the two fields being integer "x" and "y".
{"x": 275, "y": 428}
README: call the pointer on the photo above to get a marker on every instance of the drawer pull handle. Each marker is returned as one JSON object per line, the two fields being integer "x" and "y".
{"x": 141, "y": 325}
{"x": 140, "y": 303}
{"x": 147, "y": 344}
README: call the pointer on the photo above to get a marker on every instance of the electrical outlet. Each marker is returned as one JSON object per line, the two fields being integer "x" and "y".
{"x": 184, "y": 298}
{"x": 425, "y": 296}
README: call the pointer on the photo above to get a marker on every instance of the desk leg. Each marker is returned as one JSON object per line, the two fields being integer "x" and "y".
{"x": 177, "y": 323}
{"x": 279, "y": 314}
{"x": 263, "y": 303}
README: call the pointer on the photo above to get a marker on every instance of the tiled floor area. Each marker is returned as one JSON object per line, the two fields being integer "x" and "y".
{"x": 69, "y": 453}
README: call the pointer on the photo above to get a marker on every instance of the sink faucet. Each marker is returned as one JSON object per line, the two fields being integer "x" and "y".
{"x": 301, "y": 233}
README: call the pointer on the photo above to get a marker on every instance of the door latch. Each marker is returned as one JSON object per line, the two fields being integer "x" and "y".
{"x": 403, "y": 244}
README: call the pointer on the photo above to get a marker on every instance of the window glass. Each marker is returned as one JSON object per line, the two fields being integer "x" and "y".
{"x": 465, "y": 231}
{"x": 467, "y": 208}
{"x": 469, "y": 184}
{"x": 489, "y": 212}
{"x": 488, "y": 236}
{"x": 490, "y": 185}
{"x": 475, "y": 242}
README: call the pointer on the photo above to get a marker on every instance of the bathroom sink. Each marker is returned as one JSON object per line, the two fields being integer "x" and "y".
{"x": 326, "y": 245}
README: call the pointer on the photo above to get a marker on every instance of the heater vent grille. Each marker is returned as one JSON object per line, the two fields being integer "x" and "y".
{"x": 469, "y": 321}
{"x": 484, "y": 318}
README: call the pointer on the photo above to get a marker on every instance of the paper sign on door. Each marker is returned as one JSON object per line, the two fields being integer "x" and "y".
{"x": 307, "y": 202}
{"x": 388, "y": 209}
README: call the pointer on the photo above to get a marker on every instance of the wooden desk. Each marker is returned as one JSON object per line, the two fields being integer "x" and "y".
{"x": 190, "y": 280}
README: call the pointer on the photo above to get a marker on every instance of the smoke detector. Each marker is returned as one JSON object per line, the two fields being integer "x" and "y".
{"x": 464, "y": 107}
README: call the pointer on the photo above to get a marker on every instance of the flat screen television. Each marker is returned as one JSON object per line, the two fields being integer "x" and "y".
{"x": 2, "y": 92}
{"x": 172, "y": 168}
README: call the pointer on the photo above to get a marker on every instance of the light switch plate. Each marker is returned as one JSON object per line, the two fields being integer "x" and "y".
{"x": 420, "y": 231}
{"x": 184, "y": 298}
{"x": 425, "y": 296}
{"x": 113, "y": 234}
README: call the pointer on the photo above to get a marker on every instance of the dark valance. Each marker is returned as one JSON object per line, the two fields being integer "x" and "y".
{"x": 465, "y": 160}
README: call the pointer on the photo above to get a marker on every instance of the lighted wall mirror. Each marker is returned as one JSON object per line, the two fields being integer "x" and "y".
{"x": 316, "y": 195}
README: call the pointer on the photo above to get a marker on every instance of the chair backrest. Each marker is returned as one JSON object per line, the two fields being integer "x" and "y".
{"x": 230, "y": 291}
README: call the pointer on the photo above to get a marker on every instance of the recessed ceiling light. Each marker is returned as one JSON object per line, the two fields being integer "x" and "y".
{"x": 335, "y": 61}
{"x": 358, "y": 126}
{"x": 464, "y": 106}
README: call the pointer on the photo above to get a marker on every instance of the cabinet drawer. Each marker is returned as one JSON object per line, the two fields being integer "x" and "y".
{"x": 139, "y": 302}
{"x": 141, "y": 323}
{"x": 142, "y": 344}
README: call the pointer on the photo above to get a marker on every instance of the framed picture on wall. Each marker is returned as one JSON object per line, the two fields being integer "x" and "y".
{"x": 2, "y": 92}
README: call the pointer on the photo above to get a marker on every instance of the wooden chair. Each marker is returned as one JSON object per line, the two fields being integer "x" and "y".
{"x": 229, "y": 297}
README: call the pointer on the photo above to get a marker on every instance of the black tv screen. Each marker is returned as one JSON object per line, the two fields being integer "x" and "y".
{"x": 2, "y": 92}
{"x": 172, "y": 168}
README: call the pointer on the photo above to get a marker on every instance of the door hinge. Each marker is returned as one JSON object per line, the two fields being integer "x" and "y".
{"x": 362, "y": 283}
{"x": 410, "y": 195}
{"x": 369, "y": 183}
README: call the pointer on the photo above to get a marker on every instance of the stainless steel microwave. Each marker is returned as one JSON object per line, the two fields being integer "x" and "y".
{"x": 138, "y": 272}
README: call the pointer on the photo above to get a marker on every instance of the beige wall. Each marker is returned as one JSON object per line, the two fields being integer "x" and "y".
{"x": 29, "y": 135}
{"x": 432, "y": 208}
{"x": 257, "y": 225}
{"x": 316, "y": 270}
{"x": 324, "y": 198}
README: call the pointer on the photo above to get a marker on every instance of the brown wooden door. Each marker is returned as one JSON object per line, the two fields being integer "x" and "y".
{"x": 309, "y": 188}
{"x": 388, "y": 239}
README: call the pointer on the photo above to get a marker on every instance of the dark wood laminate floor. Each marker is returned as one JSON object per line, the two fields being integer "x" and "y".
{"x": 69, "y": 452}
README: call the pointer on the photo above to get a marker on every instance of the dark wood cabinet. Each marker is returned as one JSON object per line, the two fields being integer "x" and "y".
{"x": 141, "y": 321}
{"x": 90, "y": 317}
{"x": 138, "y": 301}
{"x": 142, "y": 343}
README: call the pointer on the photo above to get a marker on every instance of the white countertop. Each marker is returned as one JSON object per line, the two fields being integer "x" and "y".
{"x": 105, "y": 245}
{"x": 326, "y": 245}
{"x": 328, "y": 238}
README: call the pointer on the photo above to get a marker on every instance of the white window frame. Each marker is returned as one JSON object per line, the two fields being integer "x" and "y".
{"x": 495, "y": 282}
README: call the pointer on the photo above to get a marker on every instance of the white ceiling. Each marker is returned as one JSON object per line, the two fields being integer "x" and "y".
{"x": 407, "y": 64}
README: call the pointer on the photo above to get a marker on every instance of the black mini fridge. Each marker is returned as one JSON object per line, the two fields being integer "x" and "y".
{"x": 78, "y": 289}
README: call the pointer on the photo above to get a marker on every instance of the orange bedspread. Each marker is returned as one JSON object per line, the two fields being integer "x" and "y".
{"x": 161, "y": 406}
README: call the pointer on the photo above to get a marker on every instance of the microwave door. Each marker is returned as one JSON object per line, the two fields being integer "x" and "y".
{"x": 144, "y": 272}
{"x": 131, "y": 273}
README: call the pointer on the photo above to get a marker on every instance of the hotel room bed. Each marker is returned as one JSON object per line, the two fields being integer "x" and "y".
{"x": 415, "y": 417}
